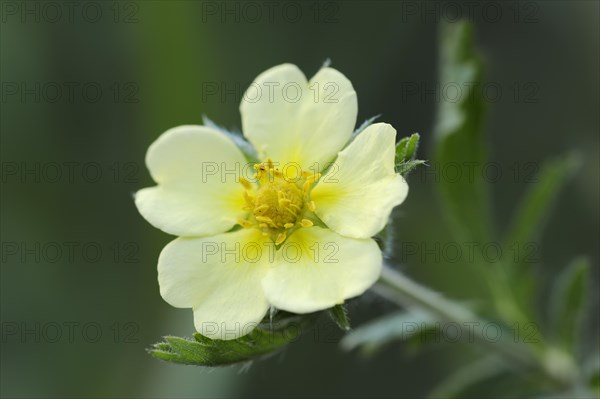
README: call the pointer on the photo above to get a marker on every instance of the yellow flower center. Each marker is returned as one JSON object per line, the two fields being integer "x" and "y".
{"x": 280, "y": 203}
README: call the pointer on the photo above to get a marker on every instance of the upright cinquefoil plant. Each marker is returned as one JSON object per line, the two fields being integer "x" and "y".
{"x": 279, "y": 224}
{"x": 292, "y": 231}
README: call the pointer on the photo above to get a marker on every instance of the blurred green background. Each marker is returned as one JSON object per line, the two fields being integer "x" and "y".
{"x": 86, "y": 88}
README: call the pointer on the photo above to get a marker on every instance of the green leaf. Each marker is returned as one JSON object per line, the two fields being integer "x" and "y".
{"x": 467, "y": 376}
{"x": 405, "y": 167}
{"x": 406, "y": 148}
{"x": 406, "y": 151}
{"x": 398, "y": 326}
{"x": 459, "y": 137}
{"x": 591, "y": 369}
{"x": 534, "y": 209}
{"x": 339, "y": 314}
{"x": 594, "y": 383}
{"x": 567, "y": 303}
{"x": 528, "y": 224}
{"x": 262, "y": 341}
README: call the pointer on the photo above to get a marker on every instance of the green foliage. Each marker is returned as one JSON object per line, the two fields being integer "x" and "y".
{"x": 405, "y": 167}
{"x": 551, "y": 364}
{"x": 467, "y": 376}
{"x": 339, "y": 314}
{"x": 406, "y": 149}
{"x": 398, "y": 326}
{"x": 530, "y": 217}
{"x": 262, "y": 341}
{"x": 406, "y": 152}
{"x": 459, "y": 136}
{"x": 567, "y": 303}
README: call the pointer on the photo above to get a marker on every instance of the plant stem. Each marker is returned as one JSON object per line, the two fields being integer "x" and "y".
{"x": 405, "y": 292}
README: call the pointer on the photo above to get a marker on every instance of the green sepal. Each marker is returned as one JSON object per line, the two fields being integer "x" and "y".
{"x": 406, "y": 149}
{"x": 406, "y": 152}
{"x": 339, "y": 314}
{"x": 405, "y": 167}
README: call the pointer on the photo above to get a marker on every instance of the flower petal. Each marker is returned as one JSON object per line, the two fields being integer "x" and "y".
{"x": 357, "y": 194}
{"x": 316, "y": 269}
{"x": 198, "y": 190}
{"x": 291, "y": 120}
{"x": 219, "y": 277}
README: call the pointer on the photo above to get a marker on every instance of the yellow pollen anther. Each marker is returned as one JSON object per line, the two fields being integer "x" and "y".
{"x": 311, "y": 206}
{"x": 247, "y": 185}
{"x": 280, "y": 238}
{"x": 277, "y": 201}
{"x": 306, "y": 187}
{"x": 277, "y": 204}
{"x": 266, "y": 220}
{"x": 248, "y": 198}
{"x": 306, "y": 223}
{"x": 313, "y": 178}
{"x": 261, "y": 209}
{"x": 245, "y": 223}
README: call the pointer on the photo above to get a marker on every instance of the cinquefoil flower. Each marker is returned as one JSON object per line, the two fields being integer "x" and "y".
{"x": 295, "y": 233}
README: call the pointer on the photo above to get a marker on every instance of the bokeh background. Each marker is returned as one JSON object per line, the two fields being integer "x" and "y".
{"x": 86, "y": 88}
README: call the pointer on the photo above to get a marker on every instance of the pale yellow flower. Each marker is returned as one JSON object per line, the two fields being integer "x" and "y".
{"x": 295, "y": 233}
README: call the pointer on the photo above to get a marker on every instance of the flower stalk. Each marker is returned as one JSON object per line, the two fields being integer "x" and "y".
{"x": 401, "y": 290}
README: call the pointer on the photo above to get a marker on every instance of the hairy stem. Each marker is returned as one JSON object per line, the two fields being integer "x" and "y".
{"x": 399, "y": 289}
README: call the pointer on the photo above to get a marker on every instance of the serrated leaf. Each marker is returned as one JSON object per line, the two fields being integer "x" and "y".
{"x": 203, "y": 351}
{"x": 459, "y": 136}
{"x": 239, "y": 140}
{"x": 339, "y": 314}
{"x": 398, "y": 326}
{"x": 567, "y": 303}
{"x": 528, "y": 223}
